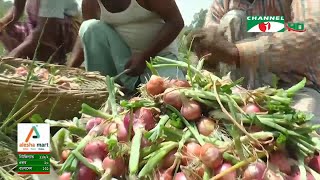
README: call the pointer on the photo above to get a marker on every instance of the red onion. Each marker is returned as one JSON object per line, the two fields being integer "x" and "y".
{"x": 180, "y": 176}
{"x": 65, "y": 176}
{"x": 115, "y": 166}
{"x": 190, "y": 151}
{"x": 142, "y": 117}
{"x": 123, "y": 132}
{"x": 211, "y": 156}
{"x": 191, "y": 110}
{"x": 164, "y": 175}
{"x": 206, "y": 126}
{"x": 251, "y": 108}
{"x": 280, "y": 160}
{"x": 43, "y": 74}
{"x": 229, "y": 176}
{"x": 155, "y": 85}
{"x": 21, "y": 71}
{"x": 65, "y": 154}
{"x": 168, "y": 160}
{"x": 95, "y": 150}
{"x": 297, "y": 176}
{"x": 145, "y": 142}
{"x": 86, "y": 173}
{"x": 110, "y": 129}
{"x": 173, "y": 98}
{"x": 93, "y": 122}
{"x": 315, "y": 163}
{"x": 176, "y": 83}
{"x": 255, "y": 171}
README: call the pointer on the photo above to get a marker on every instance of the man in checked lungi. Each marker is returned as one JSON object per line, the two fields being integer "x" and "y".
{"x": 289, "y": 55}
{"x": 56, "y": 22}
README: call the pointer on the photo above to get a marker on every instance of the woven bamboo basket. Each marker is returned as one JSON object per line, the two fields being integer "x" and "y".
{"x": 53, "y": 101}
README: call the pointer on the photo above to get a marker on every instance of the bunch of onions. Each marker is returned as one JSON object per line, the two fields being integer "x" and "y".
{"x": 155, "y": 86}
{"x": 206, "y": 126}
{"x": 211, "y": 156}
{"x": 255, "y": 171}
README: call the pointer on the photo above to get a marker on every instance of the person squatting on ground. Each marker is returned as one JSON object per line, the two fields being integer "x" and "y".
{"x": 124, "y": 34}
{"x": 58, "y": 20}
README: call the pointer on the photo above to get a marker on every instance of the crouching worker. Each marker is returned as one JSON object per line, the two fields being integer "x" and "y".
{"x": 55, "y": 22}
{"x": 125, "y": 34}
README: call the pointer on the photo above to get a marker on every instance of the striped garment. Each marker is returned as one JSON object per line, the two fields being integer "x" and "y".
{"x": 290, "y": 55}
{"x": 68, "y": 28}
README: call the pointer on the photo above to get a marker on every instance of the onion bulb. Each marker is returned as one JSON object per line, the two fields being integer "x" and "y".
{"x": 155, "y": 85}
{"x": 95, "y": 150}
{"x": 169, "y": 159}
{"x": 191, "y": 110}
{"x": 65, "y": 154}
{"x": 255, "y": 171}
{"x": 110, "y": 129}
{"x": 176, "y": 83}
{"x": 280, "y": 160}
{"x": 315, "y": 163}
{"x": 116, "y": 167}
{"x": 86, "y": 173}
{"x": 211, "y": 156}
{"x": 251, "y": 108}
{"x": 190, "y": 151}
{"x": 180, "y": 176}
{"x": 206, "y": 126}
{"x": 93, "y": 122}
{"x": 65, "y": 176}
{"x": 142, "y": 117}
{"x": 229, "y": 176}
{"x": 173, "y": 98}
{"x": 21, "y": 71}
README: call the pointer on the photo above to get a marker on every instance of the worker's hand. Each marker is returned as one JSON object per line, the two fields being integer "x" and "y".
{"x": 211, "y": 43}
{"x": 137, "y": 64}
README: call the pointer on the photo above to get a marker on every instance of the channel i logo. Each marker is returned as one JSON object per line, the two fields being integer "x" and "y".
{"x": 265, "y": 24}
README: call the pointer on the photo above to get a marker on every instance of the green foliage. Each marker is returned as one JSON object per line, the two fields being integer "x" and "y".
{"x": 199, "y": 19}
{"x": 4, "y": 6}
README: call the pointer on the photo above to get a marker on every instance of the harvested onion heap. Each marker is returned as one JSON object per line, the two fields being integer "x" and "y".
{"x": 45, "y": 76}
{"x": 203, "y": 128}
